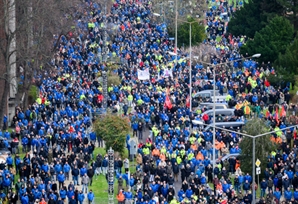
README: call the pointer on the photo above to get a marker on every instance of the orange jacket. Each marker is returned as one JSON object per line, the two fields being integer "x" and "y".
{"x": 194, "y": 147}
{"x": 162, "y": 157}
{"x": 155, "y": 152}
{"x": 120, "y": 197}
{"x": 237, "y": 164}
{"x": 200, "y": 156}
{"x": 219, "y": 186}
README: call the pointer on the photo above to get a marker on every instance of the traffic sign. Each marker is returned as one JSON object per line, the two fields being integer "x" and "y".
{"x": 258, "y": 163}
{"x": 258, "y": 170}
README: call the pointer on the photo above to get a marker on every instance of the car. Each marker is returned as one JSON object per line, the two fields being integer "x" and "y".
{"x": 206, "y": 94}
{"x": 222, "y": 112}
{"x": 209, "y": 106}
{"x": 226, "y": 125}
{"x": 2, "y": 145}
{"x": 226, "y": 157}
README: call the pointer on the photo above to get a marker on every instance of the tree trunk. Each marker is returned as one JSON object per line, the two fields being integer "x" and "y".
{"x": 3, "y": 103}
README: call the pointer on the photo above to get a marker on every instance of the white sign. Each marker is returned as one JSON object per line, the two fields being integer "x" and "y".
{"x": 258, "y": 170}
{"x": 143, "y": 74}
{"x": 168, "y": 73}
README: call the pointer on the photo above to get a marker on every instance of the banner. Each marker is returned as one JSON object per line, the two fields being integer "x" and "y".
{"x": 143, "y": 74}
{"x": 167, "y": 73}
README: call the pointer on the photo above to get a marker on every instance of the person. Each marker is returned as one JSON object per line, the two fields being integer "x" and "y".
{"x": 81, "y": 197}
{"x": 13, "y": 198}
{"x": 121, "y": 197}
{"x": 71, "y": 96}
{"x": 90, "y": 197}
{"x": 72, "y": 200}
{"x": 85, "y": 183}
{"x": 61, "y": 179}
{"x": 90, "y": 174}
{"x": 75, "y": 175}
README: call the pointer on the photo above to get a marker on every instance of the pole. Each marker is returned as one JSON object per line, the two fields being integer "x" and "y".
{"x": 214, "y": 162}
{"x": 253, "y": 170}
{"x": 176, "y": 30}
{"x": 105, "y": 49}
{"x": 111, "y": 176}
{"x": 190, "y": 81}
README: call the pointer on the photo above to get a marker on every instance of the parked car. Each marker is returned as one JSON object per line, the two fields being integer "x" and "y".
{"x": 226, "y": 125}
{"x": 206, "y": 94}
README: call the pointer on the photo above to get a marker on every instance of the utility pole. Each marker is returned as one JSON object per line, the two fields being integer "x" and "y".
{"x": 253, "y": 170}
{"x": 111, "y": 175}
{"x": 176, "y": 30}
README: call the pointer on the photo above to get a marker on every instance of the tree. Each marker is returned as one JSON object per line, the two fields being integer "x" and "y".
{"x": 263, "y": 145}
{"x": 287, "y": 64}
{"x": 113, "y": 130}
{"x": 253, "y": 16}
{"x": 197, "y": 33}
{"x": 190, "y": 8}
{"x": 247, "y": 21}
{"x": 26, "y": 42}
{"x": 271, "y": 40}
{"x": 290, "y": 10}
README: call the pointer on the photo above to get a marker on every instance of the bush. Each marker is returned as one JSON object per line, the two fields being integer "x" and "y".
{"x": 113, "y": 79}
{"x": 113, "y": 130}
{"x": 33, "y": 94}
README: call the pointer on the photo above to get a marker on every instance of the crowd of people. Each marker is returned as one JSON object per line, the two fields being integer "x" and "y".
{"x": 56, "y": 134}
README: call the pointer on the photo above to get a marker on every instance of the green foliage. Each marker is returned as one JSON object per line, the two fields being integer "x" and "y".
{"x": 113, "y": 130}
{"x": 33, "y": 94}
{"x": 271, "y": 40}
{"x": 290, "y": 8}
{"x": 197, "y": 33}
{"x": 263, "y": 147}
{"x": 280, "y": 80}
{"x": 113, "y": 79}
{"x": 248, "y": 20}
{"x": 287, "y": 64}
{"x": 253, "y": 16}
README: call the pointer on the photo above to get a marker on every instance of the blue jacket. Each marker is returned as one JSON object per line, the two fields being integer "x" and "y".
{"x": 83, "y": 171}
{"x": 164, "y": 190}
{"x": 90, "y": 196}
{"x": 188, "y": 193}
{"x": 295, "y": 195}
{"x": 63, "y": 194}
{"x": 128, "y": 195}
{"x": 263, "y": 185}
{"x": 70, "y": 194}
{"x": 288, "y": 195}
{"x": 6, "y": 182}
{"x": 81, "y": 197}
{"x": 58, "y": 168}
{"x": 61, "y": 177}
{"x": 241, "y": 179}
{"x": 66, "y": 168}
{"x": 277, "y": 195}
{"x": 25, "y": 199}
{"x": 9, "y": 160}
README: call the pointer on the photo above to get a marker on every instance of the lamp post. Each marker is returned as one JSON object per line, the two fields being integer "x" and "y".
{"x": 190, "y": 77}
{"x": 176, "y": 31}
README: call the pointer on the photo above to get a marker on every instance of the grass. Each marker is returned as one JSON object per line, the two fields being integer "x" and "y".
{"x": 100, "y": 185}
